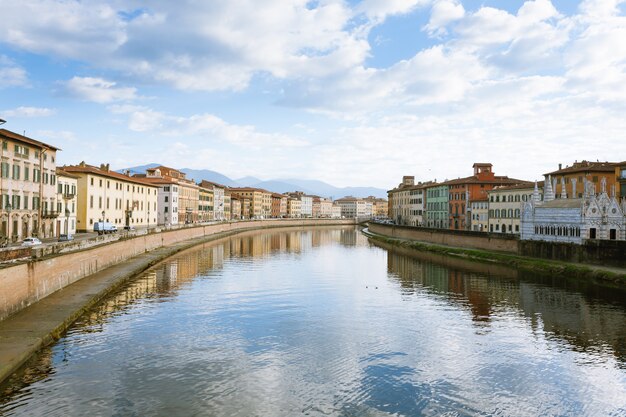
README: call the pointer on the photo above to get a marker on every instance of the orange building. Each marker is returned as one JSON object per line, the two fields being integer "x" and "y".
{"x": 463, "y": 191}
{"x": 620, "y": 175}
{"x": 578, "y": 173}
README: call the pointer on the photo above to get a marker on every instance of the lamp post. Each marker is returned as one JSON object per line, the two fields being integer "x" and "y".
{"x": 103, "y": 213}
{"x": 67, "y": 221}
{"x": 8, "y": 207}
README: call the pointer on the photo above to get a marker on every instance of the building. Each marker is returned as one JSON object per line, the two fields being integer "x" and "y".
{"x": 205, "y": 204}
{"x": 620, "y": 175}
{"x": 335, "y": 212}
{"x": 188, "y": 191}
{"x": 235, "y": 206}
{"x": 479, "y": 215}
{"x": 227, "y": 205}
{"x": 406, "y": 202}
{"x": 105, "y": 195}
{"x": 294, "y": 206}
{"x": 67, "y": 188}
{"x": 380, "y": 206}
{"x": 575, "y": 176}
{"x": 167, "y": 198}
{"x": 307, "y": 202}
{"x": 462, "y": 191}
{"x": 437, "y": 215}
{"x": 218, "y": 191}
{"x": 29, "y": 190}
{"x": 352, "y": 207}
{"x": 505, "y": 205}
{"x": 279, "y": 205}
{"x": 257, "y": 204}
{"x": 574, "y": 220}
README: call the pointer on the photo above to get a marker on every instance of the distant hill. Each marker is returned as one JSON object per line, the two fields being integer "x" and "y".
{"x": 208, "y": 175}
{"x": 312, "y": 187}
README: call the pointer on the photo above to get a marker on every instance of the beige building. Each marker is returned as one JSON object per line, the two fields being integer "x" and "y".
{"x": 335, "y": 212}
{"x": 505, "y": 205}
{"x": 352, "y": 207}
{"x": 379, "y": 206}
{"x": 29, "y": 189}
{"x": 105, "y": 195}
{"x": 67, "y": 188}
{"x": 260, "y": 201}
{"x": 227, "y": 206}
{"x": 205, "y": 204}
{"x": 235, "y": 206}
{"x": 188, "y": 192}
{"x": 479, "y": 216}
{"x": 294, "y": 207}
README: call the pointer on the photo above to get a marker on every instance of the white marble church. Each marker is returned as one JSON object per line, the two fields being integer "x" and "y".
{"x": 573, "y": 220}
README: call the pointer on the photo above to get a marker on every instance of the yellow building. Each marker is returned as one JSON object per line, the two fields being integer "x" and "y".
{"x": 227, "y": 206}
{"x": 105, "y": 195}
{"x": 235, "y": 206}
{"x": 205, "y": 205}
{"x": 294, "y": 207}
{"x": 28, "y": 184}
{"x": 260, "y": 201}
{"x": 620, "y": 175}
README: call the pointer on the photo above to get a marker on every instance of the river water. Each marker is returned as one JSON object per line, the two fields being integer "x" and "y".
{"x": 325, "y": 323}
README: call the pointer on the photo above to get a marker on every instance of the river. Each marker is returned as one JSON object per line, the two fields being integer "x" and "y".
{"x": 323, "y": 322}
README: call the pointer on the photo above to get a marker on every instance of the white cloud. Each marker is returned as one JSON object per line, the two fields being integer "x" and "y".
{"x": 442, "y": 14}
{"x": 380, "y": 9}
{"x": 97, "y": 90}
{"x": 11, "y": 75}
{"x": 25, "y": 111}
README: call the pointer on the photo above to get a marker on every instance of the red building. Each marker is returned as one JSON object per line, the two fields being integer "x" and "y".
{"x": 463, "y": 191}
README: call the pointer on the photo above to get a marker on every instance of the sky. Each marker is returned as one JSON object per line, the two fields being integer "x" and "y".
{"x": 354, "y": 93}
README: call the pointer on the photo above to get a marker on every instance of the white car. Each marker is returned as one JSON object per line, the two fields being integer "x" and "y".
{"x": 31, "y": 241}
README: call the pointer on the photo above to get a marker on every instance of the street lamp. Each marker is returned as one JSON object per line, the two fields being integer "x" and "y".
{"x": 8, "y": 207}
{"x": 67, "y": 221}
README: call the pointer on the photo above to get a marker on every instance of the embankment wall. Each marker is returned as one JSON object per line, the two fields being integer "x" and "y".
{"x": 29, "y": 281}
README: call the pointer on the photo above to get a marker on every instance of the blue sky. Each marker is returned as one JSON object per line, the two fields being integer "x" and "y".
{"x": 349, "y": 92}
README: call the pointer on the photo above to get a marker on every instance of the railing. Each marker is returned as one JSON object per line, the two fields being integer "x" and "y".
{"x": 68, "y": 196}
{"x": 49, "y": 214}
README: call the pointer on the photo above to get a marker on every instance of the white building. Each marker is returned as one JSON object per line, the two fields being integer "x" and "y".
{"x": 573, "y": 220}
{"x": 335, "y": 211}
{"x": 352, "y": 207}
{"x": 67, "y": 186}
{"x": 218, "y": 198}
{"x": 306, "y": 209}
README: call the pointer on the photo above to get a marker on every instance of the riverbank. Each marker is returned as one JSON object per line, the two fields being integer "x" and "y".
{"x": 27, "y": 331}
{"x": 596, "y": 273}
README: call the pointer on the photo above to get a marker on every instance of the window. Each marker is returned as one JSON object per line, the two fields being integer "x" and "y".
{"x": 90, "y": 201}
{"x": 5, "y": 146}
{"x": 92, "y": 181}
{"x": 26, "y": 173}
{"x": 16, "y": 172}
{"x": 5, "y": 169}
{"x": 166, "y": 199}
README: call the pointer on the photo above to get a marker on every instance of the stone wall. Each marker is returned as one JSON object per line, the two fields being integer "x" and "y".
{"x": 460, "y": 238}
{"x": 602, "y": 252}
{"x": 29, "y": 281}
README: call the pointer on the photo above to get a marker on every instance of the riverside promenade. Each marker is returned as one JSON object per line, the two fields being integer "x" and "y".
{"x": 36, "y": 320}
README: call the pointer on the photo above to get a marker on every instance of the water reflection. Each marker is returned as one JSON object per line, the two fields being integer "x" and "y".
{"x": 590, "y": 317}
{"x": 322, "y": 322}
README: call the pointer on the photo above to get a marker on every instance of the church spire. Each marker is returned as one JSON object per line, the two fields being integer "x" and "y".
{"x": 548, "y": 193}
{"x": 563, "y": 190}
{"x": 536, "y": 197}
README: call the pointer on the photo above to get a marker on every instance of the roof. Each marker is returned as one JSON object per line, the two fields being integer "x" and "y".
{"x": 418, "y": 186}
{"x": 25, "y": 139}
{"x": 60, "y": 172}
{"x": 562, "y": 203}
{"x": 205, "y": 183}
{"x": 248, "y": 189}
{"x": 475, "y": 180}
{"x": 524, "y": 186}
{"x": 89, "y": 169}
{"x": 585, "y": 166}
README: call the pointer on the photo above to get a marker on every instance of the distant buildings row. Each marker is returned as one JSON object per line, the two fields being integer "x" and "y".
{"x": 584, "y": 201}
{"x": 41, "y": 199}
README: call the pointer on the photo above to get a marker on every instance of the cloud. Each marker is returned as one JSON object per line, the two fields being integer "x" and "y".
{"x": 442, "y": 14}
{"x": 29, "y": 112}
{"x": 97, "y": 90}
{"x": 11, "y": 75}
{"x": 208, "y": 126}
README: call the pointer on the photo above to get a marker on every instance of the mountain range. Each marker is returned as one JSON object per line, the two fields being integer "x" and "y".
{"x": 312, "y": 187}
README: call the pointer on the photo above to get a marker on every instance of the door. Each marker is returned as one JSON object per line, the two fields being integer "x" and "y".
{"x": 592, "y": 233}
{"x": 613, "y": 234}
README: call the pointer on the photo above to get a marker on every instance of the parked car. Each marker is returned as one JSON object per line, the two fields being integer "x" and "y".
{"x": 129, "y": 227}
{"x": 31, "y": 241}
{"x": 65, "y": 238}
{"x": 104, "y": 227}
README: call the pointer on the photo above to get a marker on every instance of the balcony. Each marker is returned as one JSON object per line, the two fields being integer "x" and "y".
{"x": 49, "y": 214}
{"x": 68, "y": 196}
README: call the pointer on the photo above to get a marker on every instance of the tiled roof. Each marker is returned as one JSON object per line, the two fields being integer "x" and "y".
{"x": 562, "y": 203}
{"x": 585, "y": 166}
{"x": 474, "y": 180}
{"x": 89, "y": 169}
{"x": 25, "y": 139}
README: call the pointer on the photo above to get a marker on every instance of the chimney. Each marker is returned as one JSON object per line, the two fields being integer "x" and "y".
{"x": 560, "y": 167}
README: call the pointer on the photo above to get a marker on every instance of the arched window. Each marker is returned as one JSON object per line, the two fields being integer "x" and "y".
{"x": 510, "y": 213}
{"x": 497, "y": 215}
{"x": 517, "y": 198}
{"x": 517, "y": 213}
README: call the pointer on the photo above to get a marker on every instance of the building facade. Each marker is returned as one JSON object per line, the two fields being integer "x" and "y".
{"x": 28, "y": 182}
{"x": 479, "y": 215}
{"x": 188, "y": 192}
{"x": 352, "y": 207}
{"x": 505, "y": 205}
{"x": 219, "y": 204}
{"x": 294, "y": 206}
{"x": 205, "y": 205}
{"x": 437, "y": 206}
{"x": 575, "y": 176}
{"x": 105, "y": 195}
{"x": 67, "y": 188}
